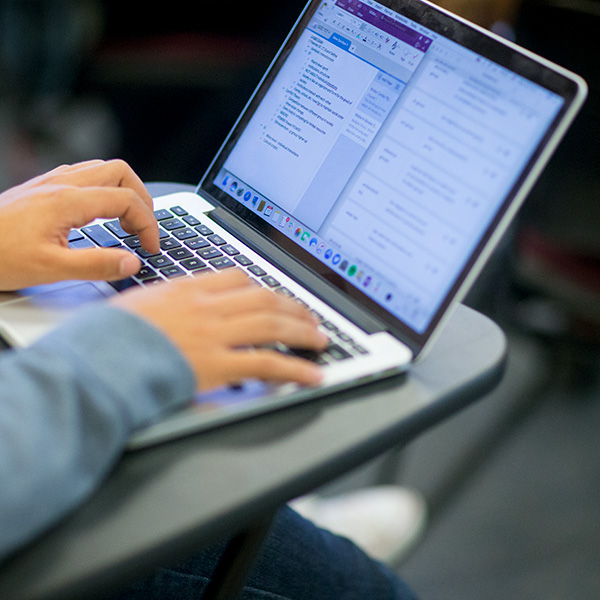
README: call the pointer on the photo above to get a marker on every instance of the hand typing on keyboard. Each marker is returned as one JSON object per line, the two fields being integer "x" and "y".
{"x": 37, "y": 216}
{"x": 221, "y": 324}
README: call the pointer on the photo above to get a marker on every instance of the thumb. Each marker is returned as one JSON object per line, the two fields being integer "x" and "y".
{"x": 99, "y": 264}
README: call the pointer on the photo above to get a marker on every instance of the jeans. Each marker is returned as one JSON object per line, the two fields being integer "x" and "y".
{"x": 297, "y": 562}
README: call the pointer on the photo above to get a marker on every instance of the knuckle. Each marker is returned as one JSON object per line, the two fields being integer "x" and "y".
{"x": 116, "y": 163}
{"x": 119, "y": 165}
{"x": 59, "y": 193}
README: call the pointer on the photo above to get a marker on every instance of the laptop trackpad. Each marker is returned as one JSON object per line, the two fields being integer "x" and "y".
{"x": 27, "y": 315}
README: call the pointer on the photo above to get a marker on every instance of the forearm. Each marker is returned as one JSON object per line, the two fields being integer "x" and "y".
{"x": 68, "y": 405}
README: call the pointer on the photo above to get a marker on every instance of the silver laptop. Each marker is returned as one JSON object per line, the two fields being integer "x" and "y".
{"x": 369, "y": 177}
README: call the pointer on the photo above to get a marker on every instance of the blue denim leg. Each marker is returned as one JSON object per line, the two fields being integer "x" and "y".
{"x": 298, "y": 562}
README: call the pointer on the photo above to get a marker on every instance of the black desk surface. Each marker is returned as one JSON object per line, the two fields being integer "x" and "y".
{"x": 160, "y": 504}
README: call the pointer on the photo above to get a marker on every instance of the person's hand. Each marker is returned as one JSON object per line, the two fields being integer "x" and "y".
{"x": 36, "y": 217}
{"x": 219, "y": 321}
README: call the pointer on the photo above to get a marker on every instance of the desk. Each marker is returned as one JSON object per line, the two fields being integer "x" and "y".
{"x": 161, "y": 504}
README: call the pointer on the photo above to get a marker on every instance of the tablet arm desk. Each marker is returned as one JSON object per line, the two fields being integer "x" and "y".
{"x": 162, "y": 504}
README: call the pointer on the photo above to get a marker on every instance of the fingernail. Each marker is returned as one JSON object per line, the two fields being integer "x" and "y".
{"x": 316, "y": 374}
{"x": 323, "y": 337}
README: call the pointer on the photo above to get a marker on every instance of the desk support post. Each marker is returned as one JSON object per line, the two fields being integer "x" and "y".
{"x": 237, "y": 561}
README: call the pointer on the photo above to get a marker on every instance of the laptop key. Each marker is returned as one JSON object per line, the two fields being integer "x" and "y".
{"x": 158, "y": 262}
{"x": 143, "y": 253}
{"x": 243, "y": 260}
{"x": 360, "y": 349}
{"x": 337, "y": 352}
{"x": 270, "y": 281}
{"x": 344, "y": 337}
{"x": 193, "y": 264}
{"x": 285, "y": 292}
{"x": 217, "y": 240}
{"x": 81, "y": 244}
{"x": 169, "y": 244}
{"x": 184, "y": 234}
{"x": 153, "y": 281}
{"x": 172, "y": 272}
{"x": 162, "y": 214}
{"x": 133, "y": 242}
{"x": 123, "y": 284}
{"x": 311, "y": 355}
{"x": 100, "y": 236}
{"x": 230, "y": 250}
{"x": 191, "y": 220}
{"x": 172, "y": 224}
{"x": 256, "y": 270}
{"x": 177, "y": 210}
{"x": 209, "y": 253}
{"x": 115, "y": 228}
{"x": 145, "y": 273}
{"x": 180, "y": 253}
{"x": 204, "y": 230}
{"x": 75, "y": 235}
{"x": 221, "y": 263}
{"x": 329, "y": 326}
{"x": 196, "y": 243}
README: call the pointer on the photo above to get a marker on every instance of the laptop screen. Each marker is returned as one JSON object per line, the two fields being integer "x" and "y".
{"x": 383, "y": 150}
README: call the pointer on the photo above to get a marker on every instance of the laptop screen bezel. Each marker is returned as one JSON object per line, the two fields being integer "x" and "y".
{"x": 457, "y": 30}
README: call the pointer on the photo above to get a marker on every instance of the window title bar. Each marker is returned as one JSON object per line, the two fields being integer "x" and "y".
{"x": 385, "y": 23}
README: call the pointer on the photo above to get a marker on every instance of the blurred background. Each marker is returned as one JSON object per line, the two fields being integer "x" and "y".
{"x": 512, "y": 483}
{"x": 89, "y": 78}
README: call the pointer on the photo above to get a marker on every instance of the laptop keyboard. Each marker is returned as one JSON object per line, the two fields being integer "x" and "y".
{"x": 190, "y": 248}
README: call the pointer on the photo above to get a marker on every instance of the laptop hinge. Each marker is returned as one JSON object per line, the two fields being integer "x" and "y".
{"x": 297, "y": 271}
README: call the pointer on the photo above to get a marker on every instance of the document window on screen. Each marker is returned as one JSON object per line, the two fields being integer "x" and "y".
{"x": 382, "y": 148}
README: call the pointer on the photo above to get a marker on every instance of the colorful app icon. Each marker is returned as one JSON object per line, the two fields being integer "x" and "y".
{"x": 336, "y": 259}
{"x": 247, "y": 196}
{"x": 240, "y": 192}
{"x": 305, "y": 236}
{"x": 298, "y": 232}
{"x": 254, "y": 200}
{"x": 343, "y": 265}
{"x": 321, "y": 248}
{"x": 313, "y": 242}
{"x": 225, "y": 181}
{"x": 233, "y": 186}
{"x": 268, "y": 211}
{"x": 352, "y": 271}
{"x": 261, "y": 205}
{"x": 328, "y": 253}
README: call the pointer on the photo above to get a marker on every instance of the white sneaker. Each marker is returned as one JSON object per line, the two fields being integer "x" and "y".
{"x": 385, "y": 521}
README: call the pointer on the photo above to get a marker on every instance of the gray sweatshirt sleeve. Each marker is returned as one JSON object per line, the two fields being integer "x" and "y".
{"x": 68, "y": 405}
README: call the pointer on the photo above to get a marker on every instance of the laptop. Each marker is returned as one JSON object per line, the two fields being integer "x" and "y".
{"x": 369, "y": 177}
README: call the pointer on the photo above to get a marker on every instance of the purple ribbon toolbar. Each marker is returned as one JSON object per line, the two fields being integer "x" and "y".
{"x": 385, "y": 23}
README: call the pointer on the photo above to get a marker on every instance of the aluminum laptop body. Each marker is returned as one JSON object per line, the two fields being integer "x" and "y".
{"x": 370, "y": 176}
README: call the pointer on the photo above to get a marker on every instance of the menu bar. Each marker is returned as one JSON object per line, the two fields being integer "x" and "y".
{"x": 386, "y": 23}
